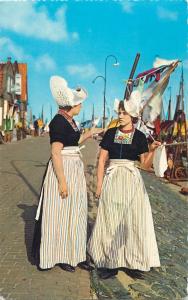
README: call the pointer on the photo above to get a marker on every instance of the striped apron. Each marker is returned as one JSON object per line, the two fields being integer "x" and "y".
{"x": 123, "y": 234}
{"x": 64, "y": 221}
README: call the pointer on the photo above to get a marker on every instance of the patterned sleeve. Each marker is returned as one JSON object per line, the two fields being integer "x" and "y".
{"x": 58, "y": 130}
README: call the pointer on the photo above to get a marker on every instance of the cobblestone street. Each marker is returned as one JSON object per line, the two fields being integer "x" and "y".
{"x": 22, "y": 167}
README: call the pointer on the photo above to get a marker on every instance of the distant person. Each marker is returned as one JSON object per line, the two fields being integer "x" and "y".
{"x": 31, "y": 129}
{"x": 36, "y": 128}
{"x": 61, "y": 226}
{"x": 123, "y": 235}
{"x": 40, "y": 124}
{"x": 42, "y": 131}
{"x": 46, "y": 128}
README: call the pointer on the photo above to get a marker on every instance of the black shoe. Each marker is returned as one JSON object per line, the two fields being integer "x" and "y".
{"x": 108, "y": 273}
{"x": 135, "y": 274}
{"x": 85, "y": 266}
{"x": 67, "y": 267}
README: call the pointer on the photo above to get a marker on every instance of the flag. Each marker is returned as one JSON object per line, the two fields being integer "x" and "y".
{"x": 152, "y": 95}
{"x": 152, "y": 109}
{"x": 157, "y": 124}
{"x": 163, "y": 62}
{"x": 86, "y": 124}
{"x": 78, "y": 124}
{"x": 99, "y": 124}
{"x": 113, "y": 123}
{"x": 96, "y": 122}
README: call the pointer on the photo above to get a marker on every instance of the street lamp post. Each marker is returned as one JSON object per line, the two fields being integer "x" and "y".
{"x": 104, "y": 95}
{"x": 104, "y": 78}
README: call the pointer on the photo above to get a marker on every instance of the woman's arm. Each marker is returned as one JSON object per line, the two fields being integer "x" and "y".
{"x": 57, "y": 163}
{"x": 100, "y": 170}
{"x": 84, "y": 137}
{"x": 89, "y": 134}
{"x": 146, "y": 159}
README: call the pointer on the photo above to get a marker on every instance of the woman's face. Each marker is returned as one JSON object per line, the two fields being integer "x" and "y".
{"x": 124, "y": 117}
{"x": 76, "y": 109}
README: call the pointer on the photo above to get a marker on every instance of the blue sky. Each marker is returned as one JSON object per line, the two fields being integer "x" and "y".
{"x": 72, "y": 39}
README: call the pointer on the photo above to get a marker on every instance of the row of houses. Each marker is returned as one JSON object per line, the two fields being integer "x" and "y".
{"x": 13, "y": 100}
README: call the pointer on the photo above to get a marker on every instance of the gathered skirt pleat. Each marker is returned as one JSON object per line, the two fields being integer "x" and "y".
{"x": 123, "y": 234}
{"x": 63, "y": 221}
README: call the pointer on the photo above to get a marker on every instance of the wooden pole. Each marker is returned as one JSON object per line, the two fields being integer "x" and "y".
{"x": 129, "y": 86}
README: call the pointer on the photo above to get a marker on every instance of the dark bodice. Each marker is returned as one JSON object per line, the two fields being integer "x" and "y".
{"x": 124, "y": 149}
{"x": 62, "y": 131}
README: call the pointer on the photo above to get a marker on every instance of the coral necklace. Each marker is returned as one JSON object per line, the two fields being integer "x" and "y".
{"x": 69, "y": 119}
{"x": 127, "y": 131}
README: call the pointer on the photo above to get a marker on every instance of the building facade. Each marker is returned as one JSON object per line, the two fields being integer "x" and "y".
{"x": 13, "y": 100}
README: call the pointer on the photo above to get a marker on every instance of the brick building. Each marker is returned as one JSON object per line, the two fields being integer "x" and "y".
{"x": 13, "y": 99}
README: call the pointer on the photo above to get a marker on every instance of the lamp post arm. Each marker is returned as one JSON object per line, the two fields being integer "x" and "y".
{"x": 100, "y": 76}
{"x": 105, "y": 73}
{"x": 104, "y": 78}
{"x": 105, "y": 68}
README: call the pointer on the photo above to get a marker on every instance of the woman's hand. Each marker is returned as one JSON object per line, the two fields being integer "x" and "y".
{"x": 63, "y": 191}
{"x": 98, "y": 192}
{"x": 94, "y": 131}
{"x": 89, "y": 134}
{"x": 155, "y": 145}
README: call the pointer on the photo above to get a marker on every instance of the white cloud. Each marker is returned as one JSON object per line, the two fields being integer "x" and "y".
{"x": 164, "y": 13}
{"x": 41, "y": 63}
{"x": 45, "y": 62}
{"x": 32, "y": 21}
{"x": 127, "y": 6}
{"x": 84, "y": 71}
{"x": 8, "y": 46}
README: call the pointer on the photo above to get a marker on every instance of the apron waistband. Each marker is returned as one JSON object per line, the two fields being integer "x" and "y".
{"x": 72, "y": 150}
{"x": 116, "y": 163}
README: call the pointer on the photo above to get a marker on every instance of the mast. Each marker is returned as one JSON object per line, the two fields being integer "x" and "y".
{"x": 169, "y": 106}
{"x": 182, "y": 89}
{"x": 50, "y": 112}
{"x": 162, "y": 114}
{"x": 93, "y": 114}
{"x": 42, "y": 113}
{"x": 180, "y": 97}
{"x": 83, "y": 117}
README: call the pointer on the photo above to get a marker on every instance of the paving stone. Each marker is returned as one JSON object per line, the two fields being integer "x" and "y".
{"x": 164, "y": 291}
{"x": 139, "y": 287}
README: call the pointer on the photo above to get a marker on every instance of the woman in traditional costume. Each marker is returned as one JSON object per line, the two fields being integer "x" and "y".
{"x": 123, "y": 235}
{"x": 61, "y": 219}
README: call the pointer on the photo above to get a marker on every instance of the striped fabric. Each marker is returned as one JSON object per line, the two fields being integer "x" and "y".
{"x": 123, "y": 234}
{"x": 64, "y": 221}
